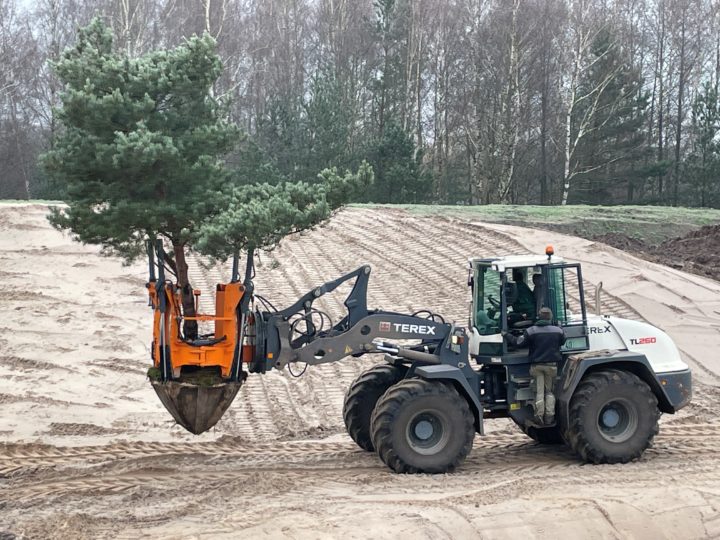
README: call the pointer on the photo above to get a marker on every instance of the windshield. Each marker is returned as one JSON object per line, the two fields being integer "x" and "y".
{"x": 487, "y": 301}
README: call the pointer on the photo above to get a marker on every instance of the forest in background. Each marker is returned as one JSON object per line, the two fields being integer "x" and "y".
{"x": 454, "y": 102}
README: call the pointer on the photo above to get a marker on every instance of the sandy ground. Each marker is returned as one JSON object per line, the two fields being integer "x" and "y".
{"x": 89, "y": 452}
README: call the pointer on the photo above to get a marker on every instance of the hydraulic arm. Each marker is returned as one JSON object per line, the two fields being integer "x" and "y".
{"x": 294, "y": 335}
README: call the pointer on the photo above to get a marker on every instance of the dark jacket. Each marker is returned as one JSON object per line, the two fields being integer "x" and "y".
{"x": 525, "y": 302}
{"x": 544, "y": 341}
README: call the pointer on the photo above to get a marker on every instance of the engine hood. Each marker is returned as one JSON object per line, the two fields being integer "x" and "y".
{"x": 623, "y": 334}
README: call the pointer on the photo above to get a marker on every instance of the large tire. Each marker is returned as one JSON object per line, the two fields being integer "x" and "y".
{"x": 362, "y": 396}
{"x": 421, "y": 426}
{"x": 542, "y": 435}
{"x": 613, "y": 417}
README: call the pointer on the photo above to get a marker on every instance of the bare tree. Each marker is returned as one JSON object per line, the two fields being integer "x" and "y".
{"x": 581, "y": 104}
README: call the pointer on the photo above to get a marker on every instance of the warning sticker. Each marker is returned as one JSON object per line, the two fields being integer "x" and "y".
{"x": 348, "y": 349}
{"x": 384, "y": 326}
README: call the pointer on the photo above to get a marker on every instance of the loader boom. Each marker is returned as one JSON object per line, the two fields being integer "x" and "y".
{"x": 361, "y": 331}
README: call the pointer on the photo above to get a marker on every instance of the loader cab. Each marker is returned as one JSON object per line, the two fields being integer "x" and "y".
{"x": 497, "y": 306}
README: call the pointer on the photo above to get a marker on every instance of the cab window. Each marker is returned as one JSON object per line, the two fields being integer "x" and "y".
{"x": 487, "y": 298}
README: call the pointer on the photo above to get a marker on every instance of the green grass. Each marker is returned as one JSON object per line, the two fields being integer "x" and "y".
{"x": 650, "y": 224}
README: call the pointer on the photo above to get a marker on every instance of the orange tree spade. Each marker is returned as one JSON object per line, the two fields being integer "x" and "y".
{"x": 141, "y": 155}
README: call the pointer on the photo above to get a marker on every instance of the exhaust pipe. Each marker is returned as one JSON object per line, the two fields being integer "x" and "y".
{"x": 598, "y": 290}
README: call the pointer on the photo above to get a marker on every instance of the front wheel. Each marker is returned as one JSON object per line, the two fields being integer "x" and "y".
{"x": 362, "y": 396}
{"x": 422, "y": 426}
{"x": 613, "y": 417}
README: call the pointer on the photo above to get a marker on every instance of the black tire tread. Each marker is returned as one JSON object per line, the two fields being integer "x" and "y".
{"x": 375, "y": 380}
{"x": 390, "y": 402}
{"x": 588, "y": 387}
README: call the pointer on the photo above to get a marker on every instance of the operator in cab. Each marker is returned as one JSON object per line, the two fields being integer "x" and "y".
{"x": 524, "y": 304}
{"x": 544, "y": 341}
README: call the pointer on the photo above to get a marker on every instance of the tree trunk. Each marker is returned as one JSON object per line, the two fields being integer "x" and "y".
{"x": 717, "y": 60}
{"x": 571, "y": 102}
{"x": 543, "y": 137}
{"x": 418, "y": 97}
{"x": 190, "y": 328}
{"x": 660, "y": 97}
{"x": 568, "y": 153}
{"x": 512, "y": 121}
{"x": 678, "y": 129}
{"x": 20, "y": 147}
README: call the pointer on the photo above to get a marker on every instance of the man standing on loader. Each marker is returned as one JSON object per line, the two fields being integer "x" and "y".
{"x": 544, "y": 341}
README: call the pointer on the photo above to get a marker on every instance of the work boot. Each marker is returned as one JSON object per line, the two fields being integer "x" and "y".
{"x": 539, "y": 410}
{"x": 549, "y": 408}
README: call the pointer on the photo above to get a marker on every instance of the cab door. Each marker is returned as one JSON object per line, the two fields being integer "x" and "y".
{"x": 565, "y": 296}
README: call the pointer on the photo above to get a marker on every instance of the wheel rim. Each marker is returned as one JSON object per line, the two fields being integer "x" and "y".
{"x": 617, "y": 420}
{"x": 427, "y": 432}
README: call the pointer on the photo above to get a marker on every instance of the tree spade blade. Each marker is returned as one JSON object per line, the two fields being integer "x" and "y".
{"x": 197, "y": 408}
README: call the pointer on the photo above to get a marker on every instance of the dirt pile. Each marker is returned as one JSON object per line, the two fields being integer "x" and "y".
{"x": 624, "y": 242}
{"x": 697, "y": 252}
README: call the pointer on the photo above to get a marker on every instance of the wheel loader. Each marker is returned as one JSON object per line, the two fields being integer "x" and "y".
{"x": 422, "y": 406}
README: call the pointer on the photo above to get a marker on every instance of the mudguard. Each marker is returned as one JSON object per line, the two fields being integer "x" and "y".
{"x": 673, "y": 390}
{"x": 457, "y": 377}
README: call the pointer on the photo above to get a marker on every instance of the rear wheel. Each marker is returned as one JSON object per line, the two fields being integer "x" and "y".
{"x": 613, "y": 417}
{"x": 362, "y": 396}
{"x": 422, "y": 426}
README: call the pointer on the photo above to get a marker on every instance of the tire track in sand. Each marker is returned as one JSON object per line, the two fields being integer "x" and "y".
{"x": 686, "y": 437}
{"x": 343, "y": 461}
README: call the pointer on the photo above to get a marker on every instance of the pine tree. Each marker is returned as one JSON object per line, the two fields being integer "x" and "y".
{"x": 302, "y": 137}
{"x": 608, "y": 153}
{"x": 328, "y": 123}
{"x": 141, "y": 155}
{"x": 400, "y": 177}
{"x": 702, "y": 166}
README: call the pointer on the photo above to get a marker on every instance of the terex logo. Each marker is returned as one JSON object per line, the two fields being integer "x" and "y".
{"x": 599, "y": 330}
{"x": 642, "y": 340}
{"x": 407, "y": 328}
{"x": 414, "y": 329}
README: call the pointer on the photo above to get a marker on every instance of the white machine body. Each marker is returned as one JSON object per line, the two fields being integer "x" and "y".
{"x": 616, "y": 334}
{"x": 606, "y": 332}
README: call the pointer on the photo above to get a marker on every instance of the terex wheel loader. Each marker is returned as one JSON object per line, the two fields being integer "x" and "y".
{"x": 421, "y": 408}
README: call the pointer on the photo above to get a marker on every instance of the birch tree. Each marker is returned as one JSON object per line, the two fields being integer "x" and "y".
{"x": 581, "y": 104}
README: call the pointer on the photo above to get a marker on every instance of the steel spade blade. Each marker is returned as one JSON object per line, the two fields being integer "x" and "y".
{"x": 197, "y": 408}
